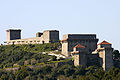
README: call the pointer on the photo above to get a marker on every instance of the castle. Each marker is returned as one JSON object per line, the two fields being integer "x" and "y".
{"x": 82, "y": 47}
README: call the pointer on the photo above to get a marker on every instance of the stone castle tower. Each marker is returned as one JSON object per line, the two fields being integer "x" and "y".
{"x": 79, "y": 54}
{"x": 51, "y": 36}
{"x": 13, "y": 34}
{"x": 105, "y": 51}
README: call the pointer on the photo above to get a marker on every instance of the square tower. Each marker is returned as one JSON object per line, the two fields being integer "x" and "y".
{"x": 105, "y": 51}
{"x": 79, "y": 55}
{"x": 51, "y": 36}
{"x": 13, "y": 34}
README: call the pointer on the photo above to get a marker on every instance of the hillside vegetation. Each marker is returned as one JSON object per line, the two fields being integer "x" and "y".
{"x": 31, "y": 54}
{"x": 27, "y": 62}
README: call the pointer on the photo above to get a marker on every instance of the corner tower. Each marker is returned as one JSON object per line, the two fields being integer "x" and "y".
{"x": 105, "y": 51}
{"x": 13, "y": 34}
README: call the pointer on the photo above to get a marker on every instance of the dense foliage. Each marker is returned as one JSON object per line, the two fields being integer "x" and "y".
{"x": 25, "y": 54}
{"x": 116, "y": 58}
{"x": 29, "y": 58}
{"x": 64, "y": 72}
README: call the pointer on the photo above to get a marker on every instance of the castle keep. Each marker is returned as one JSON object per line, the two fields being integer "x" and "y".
{"x": 71, "y": 40}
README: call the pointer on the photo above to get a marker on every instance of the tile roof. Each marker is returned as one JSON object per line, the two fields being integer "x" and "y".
{"x": 79, "y": 46}
{"x": 104, "y": 42}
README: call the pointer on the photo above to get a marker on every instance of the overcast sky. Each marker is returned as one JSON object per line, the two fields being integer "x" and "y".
{"x": 101, "y": 17}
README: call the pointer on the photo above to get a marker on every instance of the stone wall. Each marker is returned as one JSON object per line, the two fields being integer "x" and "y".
{"x": 71, "y": 40}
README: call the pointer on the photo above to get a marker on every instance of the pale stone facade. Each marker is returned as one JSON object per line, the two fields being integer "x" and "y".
{"x": 48, "y": 36}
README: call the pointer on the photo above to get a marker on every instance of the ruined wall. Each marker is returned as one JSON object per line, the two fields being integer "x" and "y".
{"x": 36, "y": 40}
